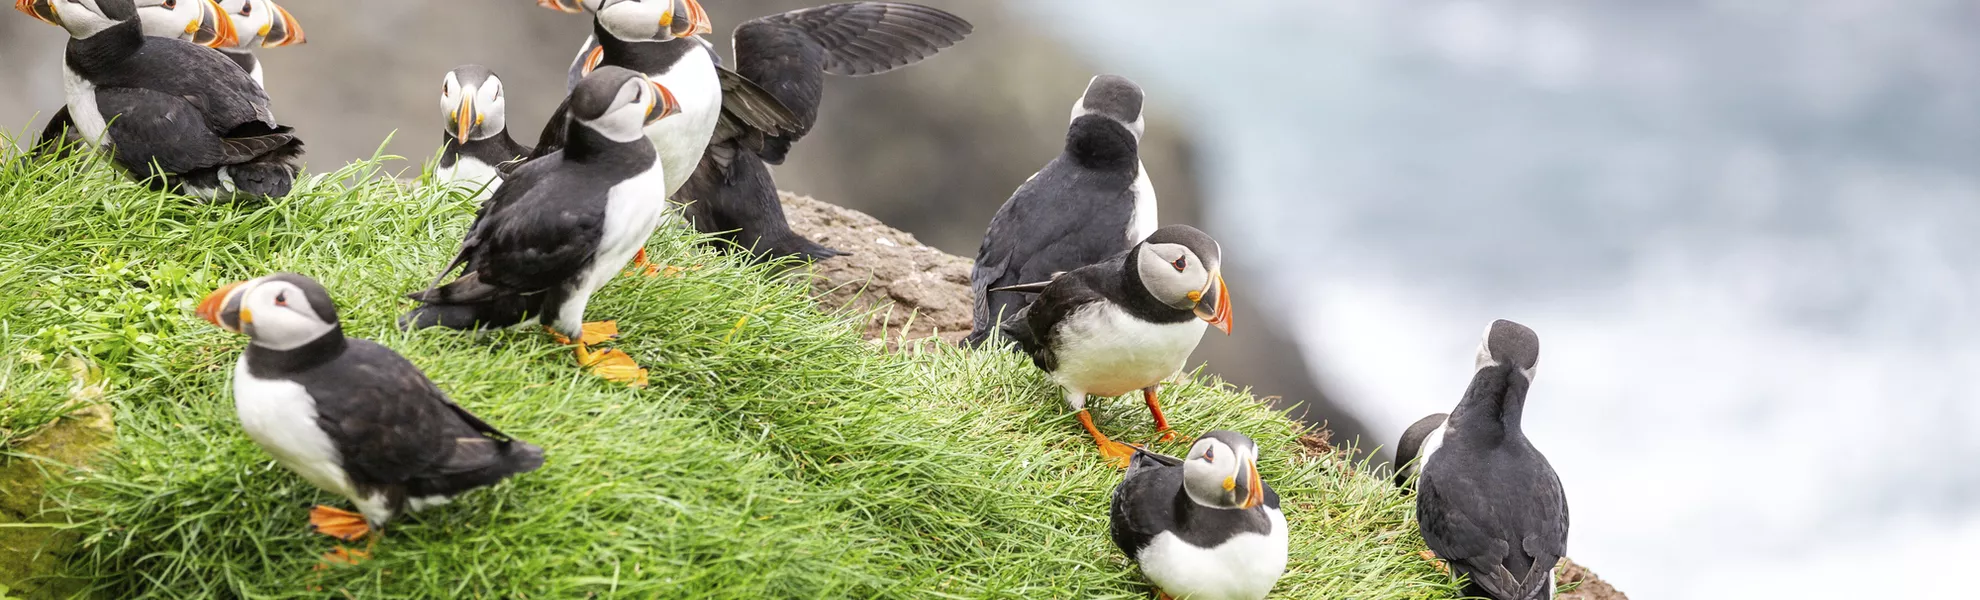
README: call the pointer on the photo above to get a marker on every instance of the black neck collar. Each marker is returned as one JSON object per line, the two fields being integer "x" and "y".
{"x": 270, "y": 363}
{"x": 651, "y": 58}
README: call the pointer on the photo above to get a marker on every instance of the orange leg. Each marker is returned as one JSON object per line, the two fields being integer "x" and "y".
{"x": 347, "y": 556}
{"x": 1117, "y": 453}
{"x": 338, "y": 523}
{"x": 640, "y": 266}
{"x": 1155, "y": 408}
{"x": 1434, "y": 561}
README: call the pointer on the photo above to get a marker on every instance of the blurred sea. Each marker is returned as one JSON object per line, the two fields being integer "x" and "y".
{"x": 1744, "y": 229}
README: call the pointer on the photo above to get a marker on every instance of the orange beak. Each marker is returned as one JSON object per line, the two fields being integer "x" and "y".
{"x": 285, "y": 30}
{"x": 563, "y": 6}
{"x": 665, "y": 107}
{"x": 1254, "y": 489}
{"x": 1218, "y": 310}
{"x": 465, "y": 118}
{"x": 209, "y": 308}
{"x": 699, "y": 17}
{"x": 223, "y": 27}
{"x": 592, "y": 60}
{"x": 41, "y": 10}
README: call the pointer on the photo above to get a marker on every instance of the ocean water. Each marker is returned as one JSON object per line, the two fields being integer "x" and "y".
{"x": 1747, "y": 232}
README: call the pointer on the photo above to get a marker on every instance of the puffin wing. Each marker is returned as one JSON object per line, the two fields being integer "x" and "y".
{"x": 224, "y": 96}
{"x": 788, "y": 54}
{"x": 1033, "y": 237}
{"x": 398, "y": 427}
{"x": 1041, "y": 319}
{"x": 1461, "y": 531}
{"x": 1143, "y": 503}
{"x": 149, "y": 128}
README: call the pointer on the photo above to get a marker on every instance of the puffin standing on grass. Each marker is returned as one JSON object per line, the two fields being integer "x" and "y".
{"x": 477, "y": 142}
{"x": 758, "y": 110}
{"x": 202, "y": 22}
{"x": 1091, "y": 202}
{"x": 1488, "y": 502}
{"x": 1202, "y": 527}
{"x": 563, "y": 225}
{"x": 351, "y": 416}
{"x": 176, "y": 115}
{"x": 1126, "y": 323}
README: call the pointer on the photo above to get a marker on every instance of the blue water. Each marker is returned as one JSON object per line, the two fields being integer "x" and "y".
{"x": 1747, "y": 231}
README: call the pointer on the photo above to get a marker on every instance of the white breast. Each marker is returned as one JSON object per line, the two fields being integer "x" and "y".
{"x": 469, "y": 172}
{"x": 81, "y": 96}
{"x": 634, "y": 208}
{"x": 1242, "y": 568}
{"x": 281, "y": 416}
{"x": 682, "y": 138}
{"x": 1103, "y": 350}
{"x": 1144, "y": 222}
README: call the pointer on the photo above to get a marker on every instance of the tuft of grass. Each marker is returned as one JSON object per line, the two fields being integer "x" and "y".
{"x": 774, "y": 454}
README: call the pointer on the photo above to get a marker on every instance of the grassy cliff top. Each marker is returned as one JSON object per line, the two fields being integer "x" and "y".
{"x": 775, "y": 453}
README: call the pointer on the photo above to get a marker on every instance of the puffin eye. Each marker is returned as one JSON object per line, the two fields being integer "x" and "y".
{"x": 1181, "y": 264}
{"x": 171, "y": 4}
{"x": 247, "y": 9}
{"x": 281, "y": 298}
{"x": 1209, "y": 455}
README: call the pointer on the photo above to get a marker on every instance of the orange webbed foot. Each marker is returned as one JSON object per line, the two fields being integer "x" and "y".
{"x": 338, "y": 523}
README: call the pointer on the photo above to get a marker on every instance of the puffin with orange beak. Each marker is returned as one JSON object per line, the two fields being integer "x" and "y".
{"x": 562, "y": 226}
{"x": 1126, "y": 323}
{"x": 350, "y": 416}
{"x": 170, "y": 113}
{"x": 736, "y": 123}
{"x": 257, "y": 24}
{"x": 201, "y": 22}
{"x": 1204, "y": 526}
{"x": 477, "y": 133}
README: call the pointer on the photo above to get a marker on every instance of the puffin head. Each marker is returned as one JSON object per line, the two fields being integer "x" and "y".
{"x": 1509, "y": 343}
{"x": 83, "y": 18}
{"x": 197, "y": 21}
{"x": 283, "y": 311}
{"x": 1222, "y": 471}
{"x": 1114, "y": 97}
{"x": 1183, "y": 268}
{"x": 619, "y": 103}
{"x": 261, "y": 23}
{"x": 476, "y": 109}
{"x": 641, "y": 20}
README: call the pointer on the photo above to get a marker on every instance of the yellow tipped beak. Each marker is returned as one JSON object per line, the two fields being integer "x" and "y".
{"x": 465, "y": 119}
{"x": 210, "y": 307}
{"x": 1218, "y": 310}
{"x": 663, "y": 105}
{"x": 41, "y": 10}
{"x": 283, "y": 30}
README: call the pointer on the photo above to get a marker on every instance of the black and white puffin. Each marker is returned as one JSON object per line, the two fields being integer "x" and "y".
{"x": 1418, "y": 442}
{"x": 1126, "y": 323}
{"x": 477, "y": 142}
{"x": 201, "y": 22}
{"x": 171, "y": 113}
{"x": 1203, "y": 527}
{"x": 1489, "y": 504}
{"x": 768, "y": 102}
{"x": 258, "y": 24}
{"x": 563, "y": 225}
{"x": 1089, "y": 203}
{"x": 351, "y": 416}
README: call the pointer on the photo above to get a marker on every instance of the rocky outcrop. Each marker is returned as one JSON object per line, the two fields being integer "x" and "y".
{"x": 30, "y": 555}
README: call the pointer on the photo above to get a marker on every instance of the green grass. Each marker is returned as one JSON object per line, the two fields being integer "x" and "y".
{"x": 775, "y": 453}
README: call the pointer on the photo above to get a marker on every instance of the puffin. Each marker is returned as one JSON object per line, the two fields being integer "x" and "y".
{"x": 1489, "y": 504}
{"x": 171, "y": 113}
{"x": 767, "y": 103}
{"x": 477, "y": 139}
{"x": 1418, "y": 442}
{"x": 563, "y": 225}
{"x": 1125, "y": 323}
{"x": 258, "y": 23}
{"x": 198, "y": 21}
{"x": 351, "y": 416}
{"x": 1204, "y": 527}
{"x": 1091, "y": 202}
